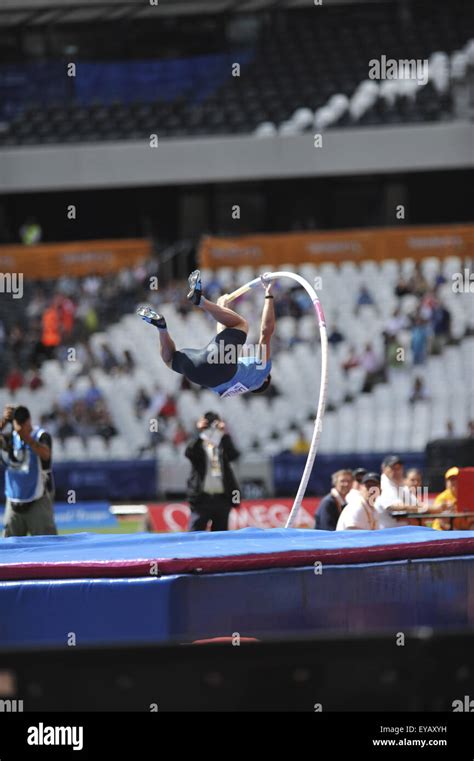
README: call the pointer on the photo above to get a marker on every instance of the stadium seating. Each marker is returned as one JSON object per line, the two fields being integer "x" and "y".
{"x": 305, "y": 71}
{"x": 395, "y": 424}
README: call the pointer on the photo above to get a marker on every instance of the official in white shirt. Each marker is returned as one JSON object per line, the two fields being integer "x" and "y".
{"x": 393, "y": 493}
{"x": 354, "y": 497}
{"x": 362, "y": 514}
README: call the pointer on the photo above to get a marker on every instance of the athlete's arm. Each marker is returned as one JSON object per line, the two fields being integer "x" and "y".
{"x": 267, "y": 326}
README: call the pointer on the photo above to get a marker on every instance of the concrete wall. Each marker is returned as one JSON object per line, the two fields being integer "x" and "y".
{"x": 227, "y": 159}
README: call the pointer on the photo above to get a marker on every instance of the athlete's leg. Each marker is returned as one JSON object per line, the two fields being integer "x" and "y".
{"x": 167, "y": 347}
{"x": 226, "y": 318}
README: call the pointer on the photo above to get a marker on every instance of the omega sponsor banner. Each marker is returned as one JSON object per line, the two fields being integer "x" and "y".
{"x": 259, "y": 513}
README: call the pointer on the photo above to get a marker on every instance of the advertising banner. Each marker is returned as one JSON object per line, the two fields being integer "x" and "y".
{"x": 259, "y": 513}
{"x": 337, "y": 246}
{"x": 78, "y": 259}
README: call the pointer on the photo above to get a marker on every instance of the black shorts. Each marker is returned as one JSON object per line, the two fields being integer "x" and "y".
{"x": 195, "y": 364}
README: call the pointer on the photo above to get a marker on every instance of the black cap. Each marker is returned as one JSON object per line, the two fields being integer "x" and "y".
{"x": 371, "y": 478}
{"x": 211, "y": 417}
{"x": 390, "y": 460}
{"x": 358, "y": 474}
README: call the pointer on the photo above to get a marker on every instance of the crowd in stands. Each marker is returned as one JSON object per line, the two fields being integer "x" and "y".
{"x": 428, "y": 323}
{"x": 59, "y": 318}
{"x": 160, "y": 410}
{"x": 81, "y": 414}
{"x": 55, "y": 316}
{"x": 360, "y": 500}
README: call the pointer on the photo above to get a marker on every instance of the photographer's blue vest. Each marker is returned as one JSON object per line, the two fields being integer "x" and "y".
{"x": 24, "y": 476}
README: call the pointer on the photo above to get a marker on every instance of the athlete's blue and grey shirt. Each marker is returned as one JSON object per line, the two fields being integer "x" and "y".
{"x": 251, "y": 374}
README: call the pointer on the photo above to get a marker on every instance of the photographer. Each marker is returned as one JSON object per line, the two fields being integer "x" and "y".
{"x": 212, "y": 486}
{"x": 26, "y": 453}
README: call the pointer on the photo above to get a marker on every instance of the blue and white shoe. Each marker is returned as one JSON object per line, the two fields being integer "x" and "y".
{"x": 149, "y": 315}
{"x": 195, "y": 285}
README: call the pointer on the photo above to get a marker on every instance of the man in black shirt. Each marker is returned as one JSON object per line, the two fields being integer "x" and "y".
{"x": 212, "y": 486}
{"x": 333, "y": 503}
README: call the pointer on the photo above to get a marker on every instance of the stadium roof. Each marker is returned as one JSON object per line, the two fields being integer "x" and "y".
{"x": 38, "y": 12}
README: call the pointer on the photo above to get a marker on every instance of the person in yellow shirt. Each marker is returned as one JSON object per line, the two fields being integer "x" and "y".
{"x": 301, "y": 445}
{"x": 447, "y": 501}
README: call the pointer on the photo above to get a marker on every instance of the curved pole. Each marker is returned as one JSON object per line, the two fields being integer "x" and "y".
{"x": 324, "y": 376}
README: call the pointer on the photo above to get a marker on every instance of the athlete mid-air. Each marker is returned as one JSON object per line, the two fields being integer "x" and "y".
{"x": 223, "y": 366}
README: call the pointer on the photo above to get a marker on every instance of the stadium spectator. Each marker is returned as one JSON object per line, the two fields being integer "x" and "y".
{"x": 447, "y": 501}
{"x": 157, "y": 401}
{"x": 212, "y": 486}
{"x": 419, "y": 392}
{"x": 441, "y": 325}
{"x": 128, "y": 363}
{"x": 93, "y": 393}
{"x": 397, "y": 322}
{"x": 393, "y": 494}
{"x": 351, "y": 359}
{"x": 413, "y": 479}
{"x": 180, "y": 435}
{"x": 84, "y": 357}
{"x": 81, "y": 420}
{"x": 36, "y": 304}
{"x": 402, "y": 288}
{"x": 142, "y": 402}
{"x": 51, "y": 332}
{"x": 417, "y": 283}
{"x": 30, "y": 232}
{"x": 66, "y": 313}
{"x": 362, "y": 515}
{"x": 29, "y": 490}
{"x": 168, "y": 409}
{"x": 419, "y": 340}
{"x": 14, "y": 380}
{"x": 449, "y": 430}
{"x": 414, "y": 483}
{"x": 354, "y": 495}
{"x": 301, "y": 445}
{"x": 335, "y": 336}
{"x": 373, "y": 366}
{"x": 87, "y": 313}
{"x": 64, "y": 427}
{"x": 103, "y": 422}
{"x": 16, "y": 341}
{"x": 439, "y": 279}
{"x": 470, "y": 429}
{"x": 427, "y": 305}
{"x": 364, "y": 298}
{"x": 331, "y": 506}
{"x": 33, "y": 379}
{"x": 68, "y": 397}
{"x": 107, "y": 359}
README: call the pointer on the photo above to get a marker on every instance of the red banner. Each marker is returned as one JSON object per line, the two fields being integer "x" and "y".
{"x": 258, "y": 513}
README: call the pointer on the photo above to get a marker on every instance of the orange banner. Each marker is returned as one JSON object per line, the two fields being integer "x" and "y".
{"x": 53, "y": 260}
{"x": 338, "y": 246}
